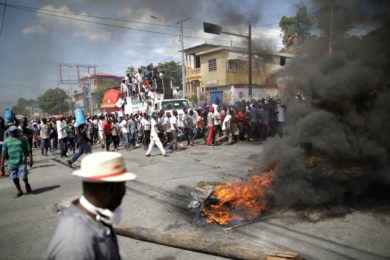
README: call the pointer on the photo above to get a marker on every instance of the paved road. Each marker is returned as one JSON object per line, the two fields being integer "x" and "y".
{"x": 158, "y": 199}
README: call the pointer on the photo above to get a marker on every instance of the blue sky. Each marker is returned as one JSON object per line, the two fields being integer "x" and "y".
{"x": 32, "y": 43}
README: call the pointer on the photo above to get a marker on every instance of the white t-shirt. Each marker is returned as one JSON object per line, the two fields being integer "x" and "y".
{"x": 124, "y": 129}
{"x": 227, "y": 119}
{"x": 180, "y": 120}
{"x": 173, "y": 121}
{"x": 154, "y": 129}
{"x": 123, "y": 87}
{"x": 217, "y": 118}
{"x": 146, "y": 124}
{"x": 114, "y": 126}
{"x": 138, "y": 77}
{"x": 167, "y": 124}
{"x": 61, "y": 133}
{"x": 100, "y": 124}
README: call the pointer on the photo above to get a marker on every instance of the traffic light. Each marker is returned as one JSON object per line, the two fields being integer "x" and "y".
{"x": 212, "y": 28}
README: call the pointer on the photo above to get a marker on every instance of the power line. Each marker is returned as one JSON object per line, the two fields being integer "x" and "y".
{"x": 50, "y": 13}
{"x": 97, "y": 17}
{"x": 2, "y": 20}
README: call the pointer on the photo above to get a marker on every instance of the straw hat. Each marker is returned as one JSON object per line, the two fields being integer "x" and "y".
{"x": 104, "y": 167}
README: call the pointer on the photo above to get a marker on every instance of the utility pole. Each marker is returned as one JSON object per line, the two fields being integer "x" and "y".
{"x": 183, "y": 65}
{"x": 331, "y": 28}
{"x": 250, "y": 61}
{"x": 70, "y": 74}
{"x": 183, "y": 72}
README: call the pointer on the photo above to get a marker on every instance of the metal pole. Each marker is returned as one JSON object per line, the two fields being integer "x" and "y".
{"x": 250, "y": 62}
{"x": 331, "y": 29}
{"x": 183, "y": 74}
{"x": 90, "y": 94}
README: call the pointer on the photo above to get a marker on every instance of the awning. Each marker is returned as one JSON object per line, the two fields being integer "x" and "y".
{"x": 110, "y": 98}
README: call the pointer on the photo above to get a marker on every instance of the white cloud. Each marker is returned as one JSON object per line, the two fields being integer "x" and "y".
{"x": 144, "y": 15}
{"x": 64, "y": 21}
{"x": 35, "y": 29}
{"x": 98, "y": 36}
{"x": 158, "y": 51}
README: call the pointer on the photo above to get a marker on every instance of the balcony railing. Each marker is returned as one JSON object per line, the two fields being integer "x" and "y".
{"x": 193, "y": 72}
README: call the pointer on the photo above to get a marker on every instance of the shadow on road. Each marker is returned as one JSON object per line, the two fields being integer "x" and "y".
{"x": 44, "y": 189}
{"x": 44, "y": 166}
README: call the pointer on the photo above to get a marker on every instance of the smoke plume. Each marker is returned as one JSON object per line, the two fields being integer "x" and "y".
{"x": 344, "y": 118}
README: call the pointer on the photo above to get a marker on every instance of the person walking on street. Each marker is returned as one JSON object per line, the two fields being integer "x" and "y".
{"x": 132, "y": 129}
{"x": 82, "y": 144}
{"x": 187, "y": 126}
{"x": 210, "y": 125}
{"x": 226, "y": 128}
{"x": 154, "y": 139}
{"x": 174, "y": 130}
{"x": 100, "y": 124}
{"x": 17, "y": 149}
{"x": 146, "y": 128}
{"x": 86, "y": 229}
{"x": 107, "y": 133}
{"x": 199, "y": 132}
{"x": 62, "y": 135}
{"x": 115, "y": 134}
{"x": 44, "y": 130}
{"x": 125, "y": 132}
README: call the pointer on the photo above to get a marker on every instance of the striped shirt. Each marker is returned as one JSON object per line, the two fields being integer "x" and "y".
{"x": 17, "y": 149}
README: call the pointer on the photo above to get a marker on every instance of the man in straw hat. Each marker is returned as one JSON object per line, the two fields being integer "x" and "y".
{"x": 85, "y": 231}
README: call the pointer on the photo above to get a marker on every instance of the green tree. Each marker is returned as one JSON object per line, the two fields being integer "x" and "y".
{"x": 130, "y": 70}
{"x": 171, "y": 70}
{"x": 296, "y": 27}
{"x": 54, "y": 101}
{"x": 22, "y": 106}
{"x": 103, "y": 87}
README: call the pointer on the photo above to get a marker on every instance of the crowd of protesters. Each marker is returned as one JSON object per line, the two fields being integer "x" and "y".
{"x": 210, "y": 125}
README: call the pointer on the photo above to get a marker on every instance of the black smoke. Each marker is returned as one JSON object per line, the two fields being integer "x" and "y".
{"x": 344, "y": 119}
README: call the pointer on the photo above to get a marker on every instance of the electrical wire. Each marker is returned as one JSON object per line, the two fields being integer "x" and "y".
{"x": 100, "y": 17}
{"x": 52, "y": 13}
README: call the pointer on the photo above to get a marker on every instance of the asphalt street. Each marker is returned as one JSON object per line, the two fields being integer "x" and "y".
{"x": 159, "y": 197}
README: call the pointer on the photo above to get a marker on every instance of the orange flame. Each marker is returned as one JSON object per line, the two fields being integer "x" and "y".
{"x": 312, "y": 161}
{"x": 239, "y": 201}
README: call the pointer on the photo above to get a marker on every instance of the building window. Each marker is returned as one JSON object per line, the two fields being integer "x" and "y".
{"x": 197, "y": 62}
{"x": 213, "y": 65}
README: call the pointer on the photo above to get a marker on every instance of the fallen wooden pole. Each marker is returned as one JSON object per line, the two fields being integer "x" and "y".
{"x": 203, "y": 245}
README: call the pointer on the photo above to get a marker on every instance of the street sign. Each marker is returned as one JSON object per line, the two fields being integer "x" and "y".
{"x": 212, "y": 28}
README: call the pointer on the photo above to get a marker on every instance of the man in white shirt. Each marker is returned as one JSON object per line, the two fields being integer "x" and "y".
{"x": 174, "y": 130}
{"x": 101, "y": 130}
{"x": 167, "y": 127}
{"x": 124, "y": 132}
{"x": 62, "y": 135}
{"x": 226, "y": 128}
{"x": 154, "y": 140}
{"x": 217, "y": 122}
{"x": 124, "y": 89}
{"x": 132, "y": 126}
{"x": 145, "y": 129}
{"x": 129, "y": 84}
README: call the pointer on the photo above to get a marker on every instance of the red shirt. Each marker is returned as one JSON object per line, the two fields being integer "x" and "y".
{"x": 241, "y": 118}
{"x": 234, "y": 117}
{"x": 107, "y": 128}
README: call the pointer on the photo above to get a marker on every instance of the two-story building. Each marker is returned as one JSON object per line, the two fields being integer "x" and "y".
{"x": 81, "y": 96}
{"x": 222, "y": 72}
